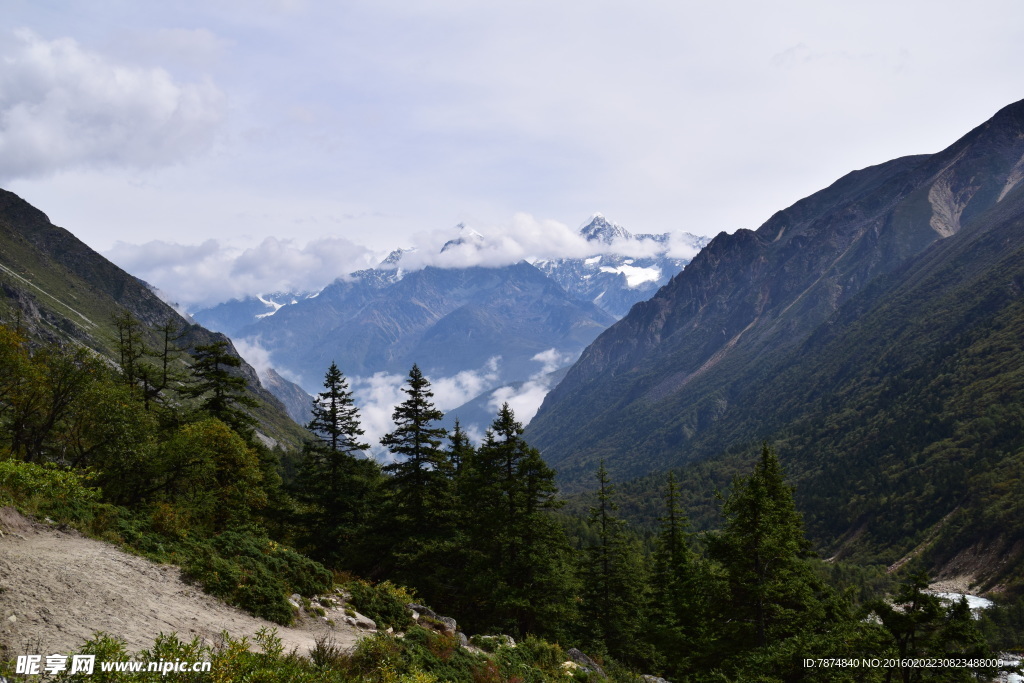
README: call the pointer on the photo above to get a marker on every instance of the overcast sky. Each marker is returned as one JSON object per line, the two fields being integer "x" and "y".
{"x": 166, "y": 134}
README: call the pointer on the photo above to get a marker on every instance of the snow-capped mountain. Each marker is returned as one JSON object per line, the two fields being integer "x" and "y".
{"x": 625, "y": 269}
{"x": 474, "y": 328}
{"x": 231, "y": 316}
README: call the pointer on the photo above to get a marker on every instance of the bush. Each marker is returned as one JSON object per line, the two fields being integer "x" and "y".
{"x": 47, "y": 490}
{"x": 250, "y": 570}
{"x": 385, "y": 603}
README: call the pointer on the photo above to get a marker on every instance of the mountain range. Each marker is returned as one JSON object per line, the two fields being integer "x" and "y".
{"x": 873, "y": 332}
{"x": 503, "y": 324}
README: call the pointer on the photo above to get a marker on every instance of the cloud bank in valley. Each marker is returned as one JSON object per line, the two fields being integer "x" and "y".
{"x": 525, "y": 399}
{"x": 378, "y": 395}
{"x": 211, "y": 272}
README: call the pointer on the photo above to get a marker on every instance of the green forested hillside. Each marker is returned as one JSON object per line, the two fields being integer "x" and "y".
{"x": 902, "y": 420}
{"x": 56, "y": 289}
{"x": 471, "y": 530}
{"x": 898, "y": 414}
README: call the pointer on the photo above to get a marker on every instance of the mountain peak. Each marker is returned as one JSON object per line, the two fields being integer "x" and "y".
{"x": 600, "y": 229}
{"x": 394, "y": 258}
{"x": 466, "y": 235}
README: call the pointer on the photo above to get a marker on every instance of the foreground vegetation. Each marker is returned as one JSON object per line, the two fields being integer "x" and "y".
{"x": 172, "y": 467}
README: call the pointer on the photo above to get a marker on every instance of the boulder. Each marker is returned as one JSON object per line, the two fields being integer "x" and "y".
{"x": 584, "y": 662}
{"x": 447, "y": 624}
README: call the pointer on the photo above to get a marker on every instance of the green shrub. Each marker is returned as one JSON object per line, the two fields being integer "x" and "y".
{"x": 540, "y": 654}
{"x": 375, "y": 656}
{"x": 254, "y": 573}
{"x": 487, "y": 643}
{"x": 48, "y": 490}
{"x": 384, "y": 602}
{"x": 440, "y": 655}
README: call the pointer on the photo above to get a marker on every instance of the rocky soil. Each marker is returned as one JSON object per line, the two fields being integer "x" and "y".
{"x": 57, "y": 588}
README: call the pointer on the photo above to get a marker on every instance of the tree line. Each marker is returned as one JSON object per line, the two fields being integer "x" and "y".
{"x": 476, "y": 531}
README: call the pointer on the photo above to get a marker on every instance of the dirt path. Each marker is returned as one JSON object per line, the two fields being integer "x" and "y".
{"x": 57, "y": 588}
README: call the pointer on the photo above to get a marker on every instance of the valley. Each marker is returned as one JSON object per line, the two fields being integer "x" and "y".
{"x": 844, "y": 382}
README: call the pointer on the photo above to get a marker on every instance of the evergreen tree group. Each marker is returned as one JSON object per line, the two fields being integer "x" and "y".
{"x": 476, "y": 530}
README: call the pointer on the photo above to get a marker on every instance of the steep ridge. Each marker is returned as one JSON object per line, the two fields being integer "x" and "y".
{"x": 901, "y": 418}
{"x": 651, "y": 392}
{"x": 58, "y": 289}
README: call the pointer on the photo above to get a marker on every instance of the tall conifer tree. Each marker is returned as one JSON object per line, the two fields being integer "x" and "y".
{"x": 334, "y": 478}
{"x": 772, "y": 591}
{"x": 222, "y": 391}
{"x": 613, "y": 592}
{"x": 420, "y": 514}
{"x": 678, "y": 611}
{"x": 421, "y": 479}
{"x": 519, "y": 575}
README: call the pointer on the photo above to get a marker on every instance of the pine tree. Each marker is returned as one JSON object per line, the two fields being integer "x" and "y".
{"x": 418, "y": 519}
{"x": 920, "y": 626}
{"x": 772, "y": 592}
{"x": 519, "y": 577}
{"x": 679, "y": 610}
{"x": 131, "y": 346}
{"x": 421, "y": 479}
{"x": 613, "y": 592}
{"x": 222, "y": 392}
{"x": 158, "y": 378}
{"x": 334, "y": 478}
{"x": 460, "y": 449}
{"x": 336, "y": 420}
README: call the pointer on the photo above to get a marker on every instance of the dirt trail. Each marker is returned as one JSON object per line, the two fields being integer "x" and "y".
{"x": 57, "y": 588}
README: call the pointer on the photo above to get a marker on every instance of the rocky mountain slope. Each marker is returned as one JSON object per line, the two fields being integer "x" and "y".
{"x": 873, "y": 330}
{"x": 498, "y": 328}
{"x": 447, "y": 320}
{"x": 624, "y": 269}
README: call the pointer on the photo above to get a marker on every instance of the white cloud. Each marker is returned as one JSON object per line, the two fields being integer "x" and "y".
{"x": 254, "y": 354}
{"x": 525, "y": 399}
{"x": 377, "y": 397}
{"x": 452, "y": 392}
{"x": 552, "y": 359}
{"x": 681, "y": 245}
{"x": 63, "y": 107}
{"x": 212, "y": 272}
{"x": 532, "y": 239}
{"x": 525, "y": 237}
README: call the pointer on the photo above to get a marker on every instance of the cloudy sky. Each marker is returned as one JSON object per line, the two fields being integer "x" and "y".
{"x": 233, "y": 144}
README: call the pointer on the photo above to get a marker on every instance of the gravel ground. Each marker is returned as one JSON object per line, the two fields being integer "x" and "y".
{"x": 57, "y": 588}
